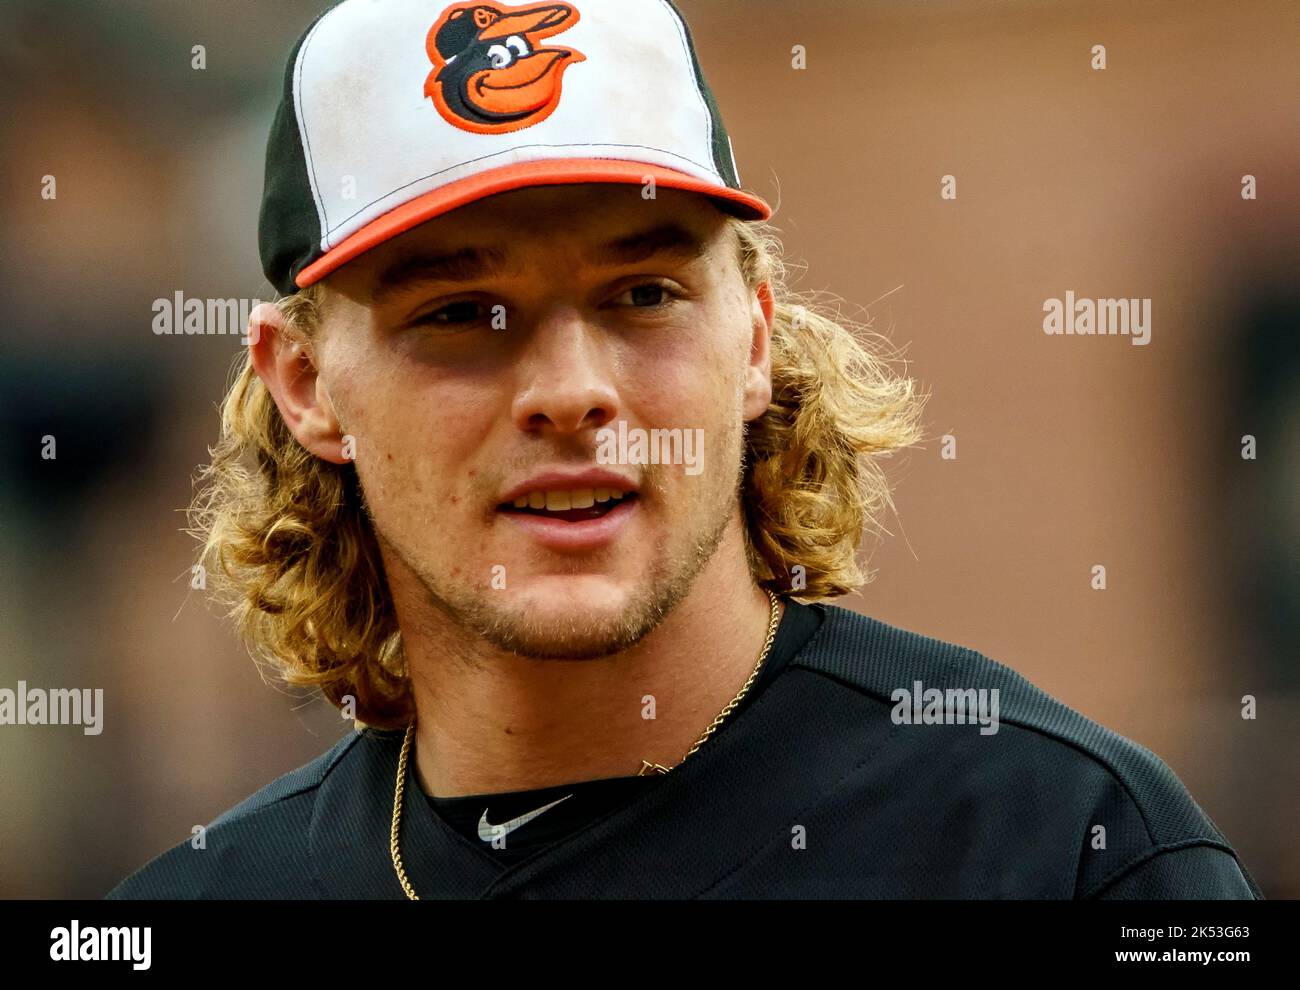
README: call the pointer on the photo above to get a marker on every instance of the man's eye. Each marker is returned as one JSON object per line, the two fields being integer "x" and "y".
{"x": 646, "y": 295}
{"x": 465, "y": 311}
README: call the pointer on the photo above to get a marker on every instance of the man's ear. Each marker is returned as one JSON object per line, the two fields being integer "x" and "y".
{"x": 758, "y": 376}
{"x": 286, "y": 365}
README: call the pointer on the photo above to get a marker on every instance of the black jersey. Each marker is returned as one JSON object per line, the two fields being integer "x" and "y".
{"x": 516, "y": 824}
{"x": 869, "y": 762}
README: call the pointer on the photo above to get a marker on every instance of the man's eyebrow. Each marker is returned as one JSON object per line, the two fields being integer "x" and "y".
{"x": 463, "y": 265}
{"x": 669, "y": 238}
{"x": 470, "y": 263}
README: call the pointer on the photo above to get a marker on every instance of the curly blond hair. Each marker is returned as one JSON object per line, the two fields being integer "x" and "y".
{"x": 295, "y": 561}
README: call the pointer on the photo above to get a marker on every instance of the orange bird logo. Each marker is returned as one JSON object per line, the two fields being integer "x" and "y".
{"x": 490, "y": 74}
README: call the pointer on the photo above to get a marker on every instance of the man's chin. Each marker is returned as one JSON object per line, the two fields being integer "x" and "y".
{"x": 555, "y": 597}
{"x": 571, "y": 623}
{"x": 581, "y": 616}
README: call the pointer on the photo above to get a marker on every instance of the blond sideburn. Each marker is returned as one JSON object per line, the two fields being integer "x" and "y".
{"x": 293, "y": 558}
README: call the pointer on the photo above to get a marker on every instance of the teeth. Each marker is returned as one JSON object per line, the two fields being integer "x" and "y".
{"x": 574, "y": 498}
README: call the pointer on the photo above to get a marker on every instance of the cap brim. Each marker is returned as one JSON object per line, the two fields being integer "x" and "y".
{"x": 557, "y": 172}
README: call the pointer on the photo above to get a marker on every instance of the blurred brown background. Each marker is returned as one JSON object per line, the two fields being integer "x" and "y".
{"x": 1072, "y": 451}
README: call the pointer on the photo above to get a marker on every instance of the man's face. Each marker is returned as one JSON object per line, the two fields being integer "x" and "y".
{"x": 475, "y": 359}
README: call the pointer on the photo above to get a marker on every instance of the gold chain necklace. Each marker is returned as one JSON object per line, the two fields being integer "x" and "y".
{"x": 646, "y": 766}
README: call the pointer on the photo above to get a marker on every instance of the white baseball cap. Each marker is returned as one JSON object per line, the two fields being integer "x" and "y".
{"x": 397, "y": 111}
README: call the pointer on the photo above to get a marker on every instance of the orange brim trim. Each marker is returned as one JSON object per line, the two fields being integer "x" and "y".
{"x": 556, "y": 172}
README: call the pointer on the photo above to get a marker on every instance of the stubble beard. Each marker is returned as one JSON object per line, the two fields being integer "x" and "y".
{"x": 491, "y": 616}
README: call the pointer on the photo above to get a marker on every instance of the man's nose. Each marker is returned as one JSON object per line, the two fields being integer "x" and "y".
{"x": 565, "y": 376}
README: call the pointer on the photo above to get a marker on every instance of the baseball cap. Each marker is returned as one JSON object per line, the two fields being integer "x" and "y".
{"x": 398, "y": 111}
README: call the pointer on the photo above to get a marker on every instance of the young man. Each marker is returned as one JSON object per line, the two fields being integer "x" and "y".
{"x": 550, "y": 471}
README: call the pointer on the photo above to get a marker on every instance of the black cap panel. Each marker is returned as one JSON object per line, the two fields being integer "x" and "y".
{"x": 288, "y": 227}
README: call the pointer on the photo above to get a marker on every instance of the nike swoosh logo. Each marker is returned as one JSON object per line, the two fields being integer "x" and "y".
{"x": 488, "y": 832}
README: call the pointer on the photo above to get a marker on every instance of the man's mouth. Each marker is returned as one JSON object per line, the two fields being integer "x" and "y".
{"x": 569, "y": 505}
